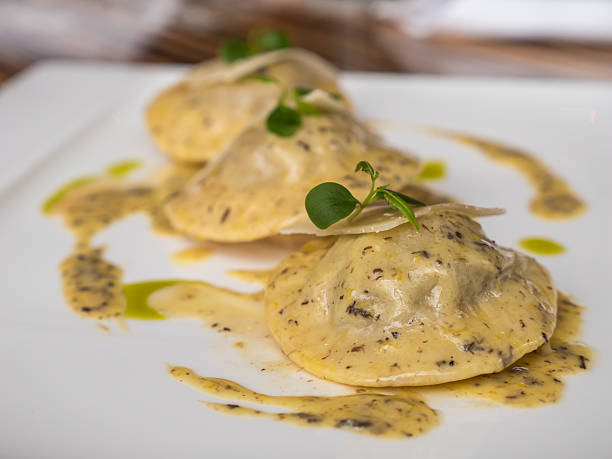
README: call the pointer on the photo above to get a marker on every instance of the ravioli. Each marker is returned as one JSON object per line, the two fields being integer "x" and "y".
{"x": 259, "y": 184}
{"x": 196, "y": 119}
{"x": 404, "y": 307}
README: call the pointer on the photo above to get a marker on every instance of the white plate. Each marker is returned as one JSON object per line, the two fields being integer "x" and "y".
{"x": 67, "y": 390}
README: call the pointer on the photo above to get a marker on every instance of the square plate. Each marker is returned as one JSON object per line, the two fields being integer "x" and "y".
{"x": 68, "y": 390}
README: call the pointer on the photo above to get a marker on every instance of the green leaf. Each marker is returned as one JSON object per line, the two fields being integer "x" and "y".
{"x": 328, "y": 203}
{"x": 408, "y": 199}
{"x": 262, "y": 78}
{"x": 305, "y": 108}
{"x": 302, "y": 91}
{"x": 399, "y": 204}
{"x": 268, "y": 40}
{"x": 283, "y": 121}
{"x": 366, "y": 167}
{"x": 233, "y": 49}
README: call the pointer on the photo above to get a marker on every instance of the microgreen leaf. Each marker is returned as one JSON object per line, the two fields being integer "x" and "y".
{"x": 268, "y": 40}
{"x": 367, "y": 168}
{"x": 259, "y": 41}
{"x": 399, "y": 204}
{"x": 262, "y": 78}
{"x": 302, "y": 91}
{"x": 328, "y": 203}
{"x": 408, "y": 199}
{"x": 305, "y": 108}
{"x": 283, "y": 121}
{"x": 233, "y": 49}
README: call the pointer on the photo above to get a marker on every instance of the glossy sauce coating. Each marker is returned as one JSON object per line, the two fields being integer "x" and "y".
{"x": 554, "y": 198}
{"x": 258, "y": 185}
{"x": 90, "y": 281}
{"x": 400, "y": 415}
{"x": 537, "y": 378}
{"x": 190, "y": 255}
{"x": 91, "y": 285}
{"x": 408, "y": 307}
{"x": 199, "y": 117}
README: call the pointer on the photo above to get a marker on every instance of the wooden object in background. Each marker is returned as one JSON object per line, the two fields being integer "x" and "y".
{"x": 190, "y": 31}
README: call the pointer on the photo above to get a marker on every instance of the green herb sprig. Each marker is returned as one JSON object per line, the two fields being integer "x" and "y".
{"x": 258, "y": 41}
{"x": 330, "y": 202}
{"x": 284, "y": 120}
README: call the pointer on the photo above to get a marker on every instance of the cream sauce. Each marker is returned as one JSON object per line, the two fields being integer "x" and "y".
{"x": 407, "y": 307}
{"x": 258, "y": 277}
{"x": 93, "y": 289}
{"x": 92, "y": 204}
{"x": 554, "y": 197}
{"x": 276, "y": 173}
{"x": 400, "y": 415}
{"x": 92, "y": 286}
{"x": 536, "y": 379}
{"x": 198, "y": 118}
{"x": 191, "y": 255}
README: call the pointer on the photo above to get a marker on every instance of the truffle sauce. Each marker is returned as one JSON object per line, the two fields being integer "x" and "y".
{"x": 554, "y": 198}
{"x": 93, "y": 289}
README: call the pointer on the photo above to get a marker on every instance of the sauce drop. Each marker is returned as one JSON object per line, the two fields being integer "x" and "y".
{"x": 123, "y": 168}
{"x": 432, "y": 170}
{"x": 541, "y": 246}
{"x": 137, "y": 296}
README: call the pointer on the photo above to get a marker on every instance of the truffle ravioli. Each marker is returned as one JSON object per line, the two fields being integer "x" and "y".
{"x": 410, "y": 307}
{"x": 196, "y": 119}
{"x": 258, "y": 186}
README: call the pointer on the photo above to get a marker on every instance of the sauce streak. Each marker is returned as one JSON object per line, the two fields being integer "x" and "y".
{"x": 93, "y": 289}
{"x": 400, "y": 415}
{"x": 89, "y": 204}
{"x": 92, "y": 286}
{"x": 554, "y": 198}
{"x": 534, "y": 380}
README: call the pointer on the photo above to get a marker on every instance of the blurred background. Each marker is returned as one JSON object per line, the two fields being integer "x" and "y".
{"x": 529, "y": 38}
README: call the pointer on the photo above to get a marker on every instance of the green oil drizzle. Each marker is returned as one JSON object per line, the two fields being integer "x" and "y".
{"x": 123, "y": 168}
{"x": 432, "y": 170}
{"x": 541, "y": 246}
{"x": 60, "y": 193}
{"x": 115, "y": 170}
{"x": 137, "y": 295}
